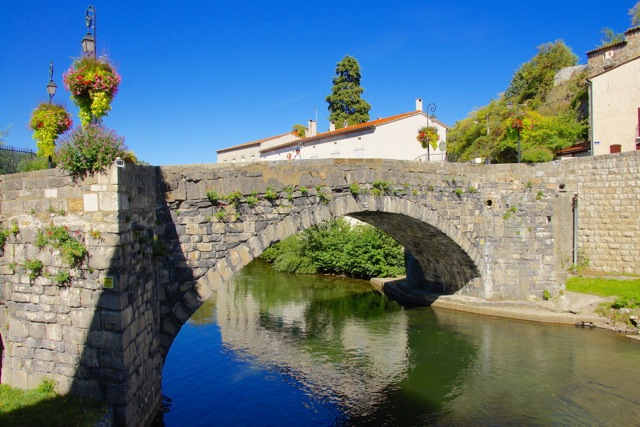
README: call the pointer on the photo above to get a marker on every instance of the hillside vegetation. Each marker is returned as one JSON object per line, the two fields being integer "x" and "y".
{"x": 550, "y": 117}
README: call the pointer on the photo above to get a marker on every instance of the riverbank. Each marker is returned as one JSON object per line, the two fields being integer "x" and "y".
{"x": 571, "y": 308}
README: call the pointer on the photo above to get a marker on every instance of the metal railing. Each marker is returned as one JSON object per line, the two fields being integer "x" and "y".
{"x": 432, "y": 157}
{"x": 10, "y": 158}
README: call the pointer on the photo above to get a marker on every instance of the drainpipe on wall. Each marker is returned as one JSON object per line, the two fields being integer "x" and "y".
{"x": 590, "y": 83}
{"x": 574, "y": 206}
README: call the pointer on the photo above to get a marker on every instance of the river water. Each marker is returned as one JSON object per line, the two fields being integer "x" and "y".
{"x": 276, "y": 349}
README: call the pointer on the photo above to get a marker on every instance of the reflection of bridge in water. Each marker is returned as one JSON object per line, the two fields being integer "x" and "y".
{"x": 355, "y": 359}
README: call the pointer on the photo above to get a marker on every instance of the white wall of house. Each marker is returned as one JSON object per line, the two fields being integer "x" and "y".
{"x": 615, "y": 104}
{"x": 391, "y": 140}
{"x": 250, "y": 152}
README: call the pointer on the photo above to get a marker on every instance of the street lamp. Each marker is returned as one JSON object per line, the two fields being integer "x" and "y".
{"x": 90, "y": 41}
{"x": 430, "y": 108}
{"x": 51, "y": 86}
{"x": 510, "y": 106}
{"x": 51, "y": 90}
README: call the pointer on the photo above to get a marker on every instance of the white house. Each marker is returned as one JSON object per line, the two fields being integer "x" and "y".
{"x": 614, "y": 95}
{"x": 615, "y": 108}
{"x": 388, "y": 138}
{"x": 250, "y": 151}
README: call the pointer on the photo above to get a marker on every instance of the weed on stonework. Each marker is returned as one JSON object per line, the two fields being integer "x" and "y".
{"x": 73, "y": 252}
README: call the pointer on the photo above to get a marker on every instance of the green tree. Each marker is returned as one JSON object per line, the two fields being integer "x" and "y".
{"x": 553, "y": 115}
{"x": 634, "y": 12}
{"x": 299, "y": 129}
{"x": 534, "y": 79}
{"x": 609, "y": 36}
{"x": 3, "y": 134}
{"x": 345, "y": 102}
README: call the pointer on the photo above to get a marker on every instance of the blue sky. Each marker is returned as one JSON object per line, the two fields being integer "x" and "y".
{"x": 198, "y": 76}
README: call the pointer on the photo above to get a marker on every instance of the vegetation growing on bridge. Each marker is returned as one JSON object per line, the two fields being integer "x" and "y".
{"x": 337, "y": 247}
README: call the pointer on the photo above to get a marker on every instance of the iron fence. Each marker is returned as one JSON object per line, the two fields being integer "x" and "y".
{"x": 10, "y": 158}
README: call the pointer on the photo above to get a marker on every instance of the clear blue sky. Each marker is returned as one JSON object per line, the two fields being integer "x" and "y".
{"x": 201, "y": 75}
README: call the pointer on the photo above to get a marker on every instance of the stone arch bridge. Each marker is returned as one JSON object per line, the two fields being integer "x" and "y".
{"x": 159, "y": 246}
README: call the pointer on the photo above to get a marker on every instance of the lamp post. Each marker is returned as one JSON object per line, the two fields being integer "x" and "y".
{"x": 51, "y": 90}
{"x": 90, "y": 40}
{"x": 510, "y": 106}
{"x": 431, "y": 108}
{"x": 51, "y": 86}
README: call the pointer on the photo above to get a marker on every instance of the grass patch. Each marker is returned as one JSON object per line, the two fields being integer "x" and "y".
{"x": 44, "y": 407}
{"x": 604, "y": 287}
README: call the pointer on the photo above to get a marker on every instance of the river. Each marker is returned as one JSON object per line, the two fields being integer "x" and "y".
{"x": 277, "y": 349}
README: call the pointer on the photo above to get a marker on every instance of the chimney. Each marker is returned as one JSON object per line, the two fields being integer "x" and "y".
{"x": 419, "y": 104}
{"x": 311, "y": 129}
{"x": 332, "y": 126}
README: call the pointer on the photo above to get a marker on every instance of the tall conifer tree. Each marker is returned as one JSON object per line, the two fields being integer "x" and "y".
{"x": 345, "y": 102}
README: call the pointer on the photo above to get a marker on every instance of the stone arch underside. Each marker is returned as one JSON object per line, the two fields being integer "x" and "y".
{"x": 448, "y": 257}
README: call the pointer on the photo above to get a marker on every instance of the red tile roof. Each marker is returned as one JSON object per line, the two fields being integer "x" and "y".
{"x": 249, "y": 144}
{"x": 578, "y": 148}
{"x": 349, "y": 129}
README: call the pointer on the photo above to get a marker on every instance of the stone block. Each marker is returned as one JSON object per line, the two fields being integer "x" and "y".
{"x": 75, "y": 205}
{"x": 50, "y": 193}
{"x": 45, "y": 355}
{"x": 74, "y": 336}
{"x": 38, "y": 330}
{"x": 53, "y": 332}
{"x": 37, "y": 316}
{"x": 90, "y": 202}
{"x": 65, "y": 370}
{"x": 18, "y": 329}
{"x": 105, "y": 340}
{"x": 82, "y": 318}
{"x": 108, "y": 201}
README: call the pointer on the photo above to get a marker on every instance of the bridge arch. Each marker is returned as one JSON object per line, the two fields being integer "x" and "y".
{"x": 448, "y": 259}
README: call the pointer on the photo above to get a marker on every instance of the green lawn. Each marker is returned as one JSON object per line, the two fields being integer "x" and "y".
{"x": 43, "y": 407}
{"x": 627, "y": 291}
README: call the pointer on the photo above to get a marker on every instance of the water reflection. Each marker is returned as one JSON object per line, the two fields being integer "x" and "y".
{"x": 287, "y": 350}
{"x": 340, "y": 341}
{"x": 543, "y": 375}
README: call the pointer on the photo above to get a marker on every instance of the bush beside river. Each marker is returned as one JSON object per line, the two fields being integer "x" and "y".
{"x": 338, "y": 247}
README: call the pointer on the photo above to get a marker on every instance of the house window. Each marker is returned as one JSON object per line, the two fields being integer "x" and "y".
{"x": 253, "y": 157}
{"x": 234, "y": 160}
{"x": 615, "y": 148}
{"x": 242, "y": 159}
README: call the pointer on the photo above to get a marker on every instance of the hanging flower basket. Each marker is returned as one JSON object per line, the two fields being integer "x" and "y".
{"x": 517, "y": 123}
{"x": 93, "y": 83}
{"x": 428, "y": 135}
{"x": 48, "y": 121}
